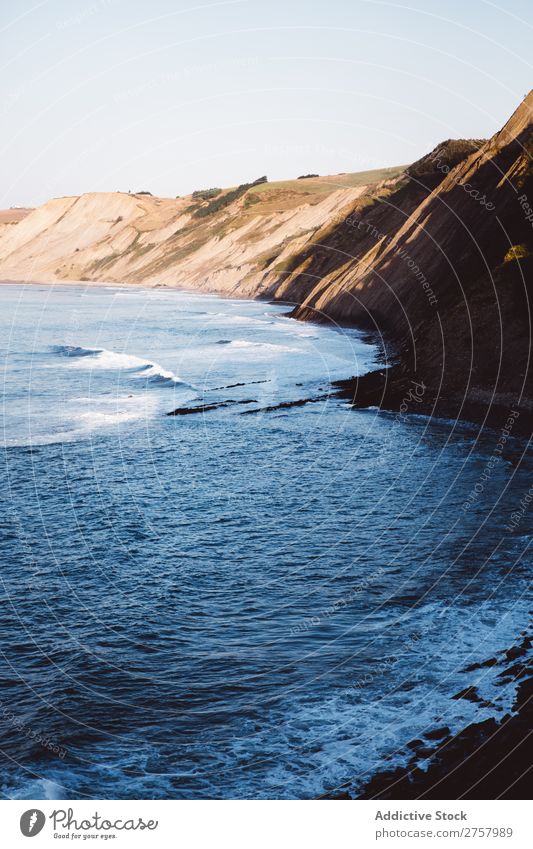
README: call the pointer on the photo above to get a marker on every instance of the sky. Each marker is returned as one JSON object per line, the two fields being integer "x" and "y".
{"x": 170, "y": 96}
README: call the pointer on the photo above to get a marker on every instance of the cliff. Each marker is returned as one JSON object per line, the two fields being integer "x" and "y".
{"x": 434, "y": 259}
{"x": 219, "y": 244}
{"x": 441, "y": 271}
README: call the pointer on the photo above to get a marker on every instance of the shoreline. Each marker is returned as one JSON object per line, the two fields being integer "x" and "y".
{"x": 105, "y": 284}
{"x": 455, "y": 761}
{"x": 101, "y": 284}
{"x": 385, "y": 387}
{"x": 490, "y": 759}
{"x": 392, "y": 388}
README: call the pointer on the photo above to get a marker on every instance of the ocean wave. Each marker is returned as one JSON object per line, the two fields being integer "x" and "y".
{"x": 267, "y": 347}
{"x": 104, "y": 359}
{"x": 74, "y": 351}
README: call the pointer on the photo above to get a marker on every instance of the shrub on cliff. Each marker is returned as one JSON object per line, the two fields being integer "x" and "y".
{"x": 205, "y": 194}
{"x": 227, "y": 198}
{"x": 446, "y": 155}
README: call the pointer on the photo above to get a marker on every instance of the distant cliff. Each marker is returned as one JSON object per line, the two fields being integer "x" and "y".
{"x": 214, "y": 240}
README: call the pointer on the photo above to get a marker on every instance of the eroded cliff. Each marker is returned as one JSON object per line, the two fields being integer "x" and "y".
{"x": 440, "y": 266}
{"x": 185, "y": 242}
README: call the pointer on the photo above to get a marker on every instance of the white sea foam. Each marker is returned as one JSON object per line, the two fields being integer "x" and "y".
{"x": 267, "y": 347}
{"x": 101, "y": 358}
{"x": 347, "y": 734}
{"x": 94, "y": 419}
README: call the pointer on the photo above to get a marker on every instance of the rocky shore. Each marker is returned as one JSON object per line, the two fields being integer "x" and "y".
{"x": 486, "y": 760}
{"x": 398, "y": 390}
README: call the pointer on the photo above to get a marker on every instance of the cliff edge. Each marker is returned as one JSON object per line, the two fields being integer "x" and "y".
{"x": 441, "y": 271}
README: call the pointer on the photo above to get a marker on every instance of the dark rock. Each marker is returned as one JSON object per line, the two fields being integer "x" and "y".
{"x": 425, "y": 752}
{"x": 285, "y": 404}
{"x": 486, "y": 760}
{"x": 514, "y": 652}
{"x": 469, "y": 693}
{"x": 492, "y": 661}
{"x": 205, "y": 408}
{"x": 437, "y": 733}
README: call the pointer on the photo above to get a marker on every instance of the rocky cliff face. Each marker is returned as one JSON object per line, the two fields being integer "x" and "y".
{"x": 440, "y": 267}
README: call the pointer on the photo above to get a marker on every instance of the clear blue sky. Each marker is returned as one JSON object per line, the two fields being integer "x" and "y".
{"x": 175, "y": 95}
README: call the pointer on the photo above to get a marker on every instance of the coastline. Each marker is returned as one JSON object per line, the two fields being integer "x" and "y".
{"x": 485, "y": 760}
{"x": 455, "y": 761}
{"x": 386, "y": 387}
{"x": 395, "y": 387}
{"x": 110, "y": 284}
{"x": 101, "y": 284}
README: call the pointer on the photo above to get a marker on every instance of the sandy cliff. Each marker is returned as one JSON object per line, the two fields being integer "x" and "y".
{"x": 156, "y": 241}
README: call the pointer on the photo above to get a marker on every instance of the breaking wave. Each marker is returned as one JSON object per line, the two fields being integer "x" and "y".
{"x": 104, "y": 359}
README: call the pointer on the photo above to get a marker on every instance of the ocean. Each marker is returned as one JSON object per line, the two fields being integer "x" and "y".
{"x": 254, "y": 601}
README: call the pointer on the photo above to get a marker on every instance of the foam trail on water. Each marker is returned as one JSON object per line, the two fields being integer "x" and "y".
{"x": 260, "y": 347}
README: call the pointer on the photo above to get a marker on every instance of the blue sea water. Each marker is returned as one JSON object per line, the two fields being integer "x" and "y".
{"x": 224, "y": 605}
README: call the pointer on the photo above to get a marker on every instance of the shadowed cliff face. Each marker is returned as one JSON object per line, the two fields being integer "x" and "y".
{"x": 443, "y": 272}
{"x": 351, "y": 244}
